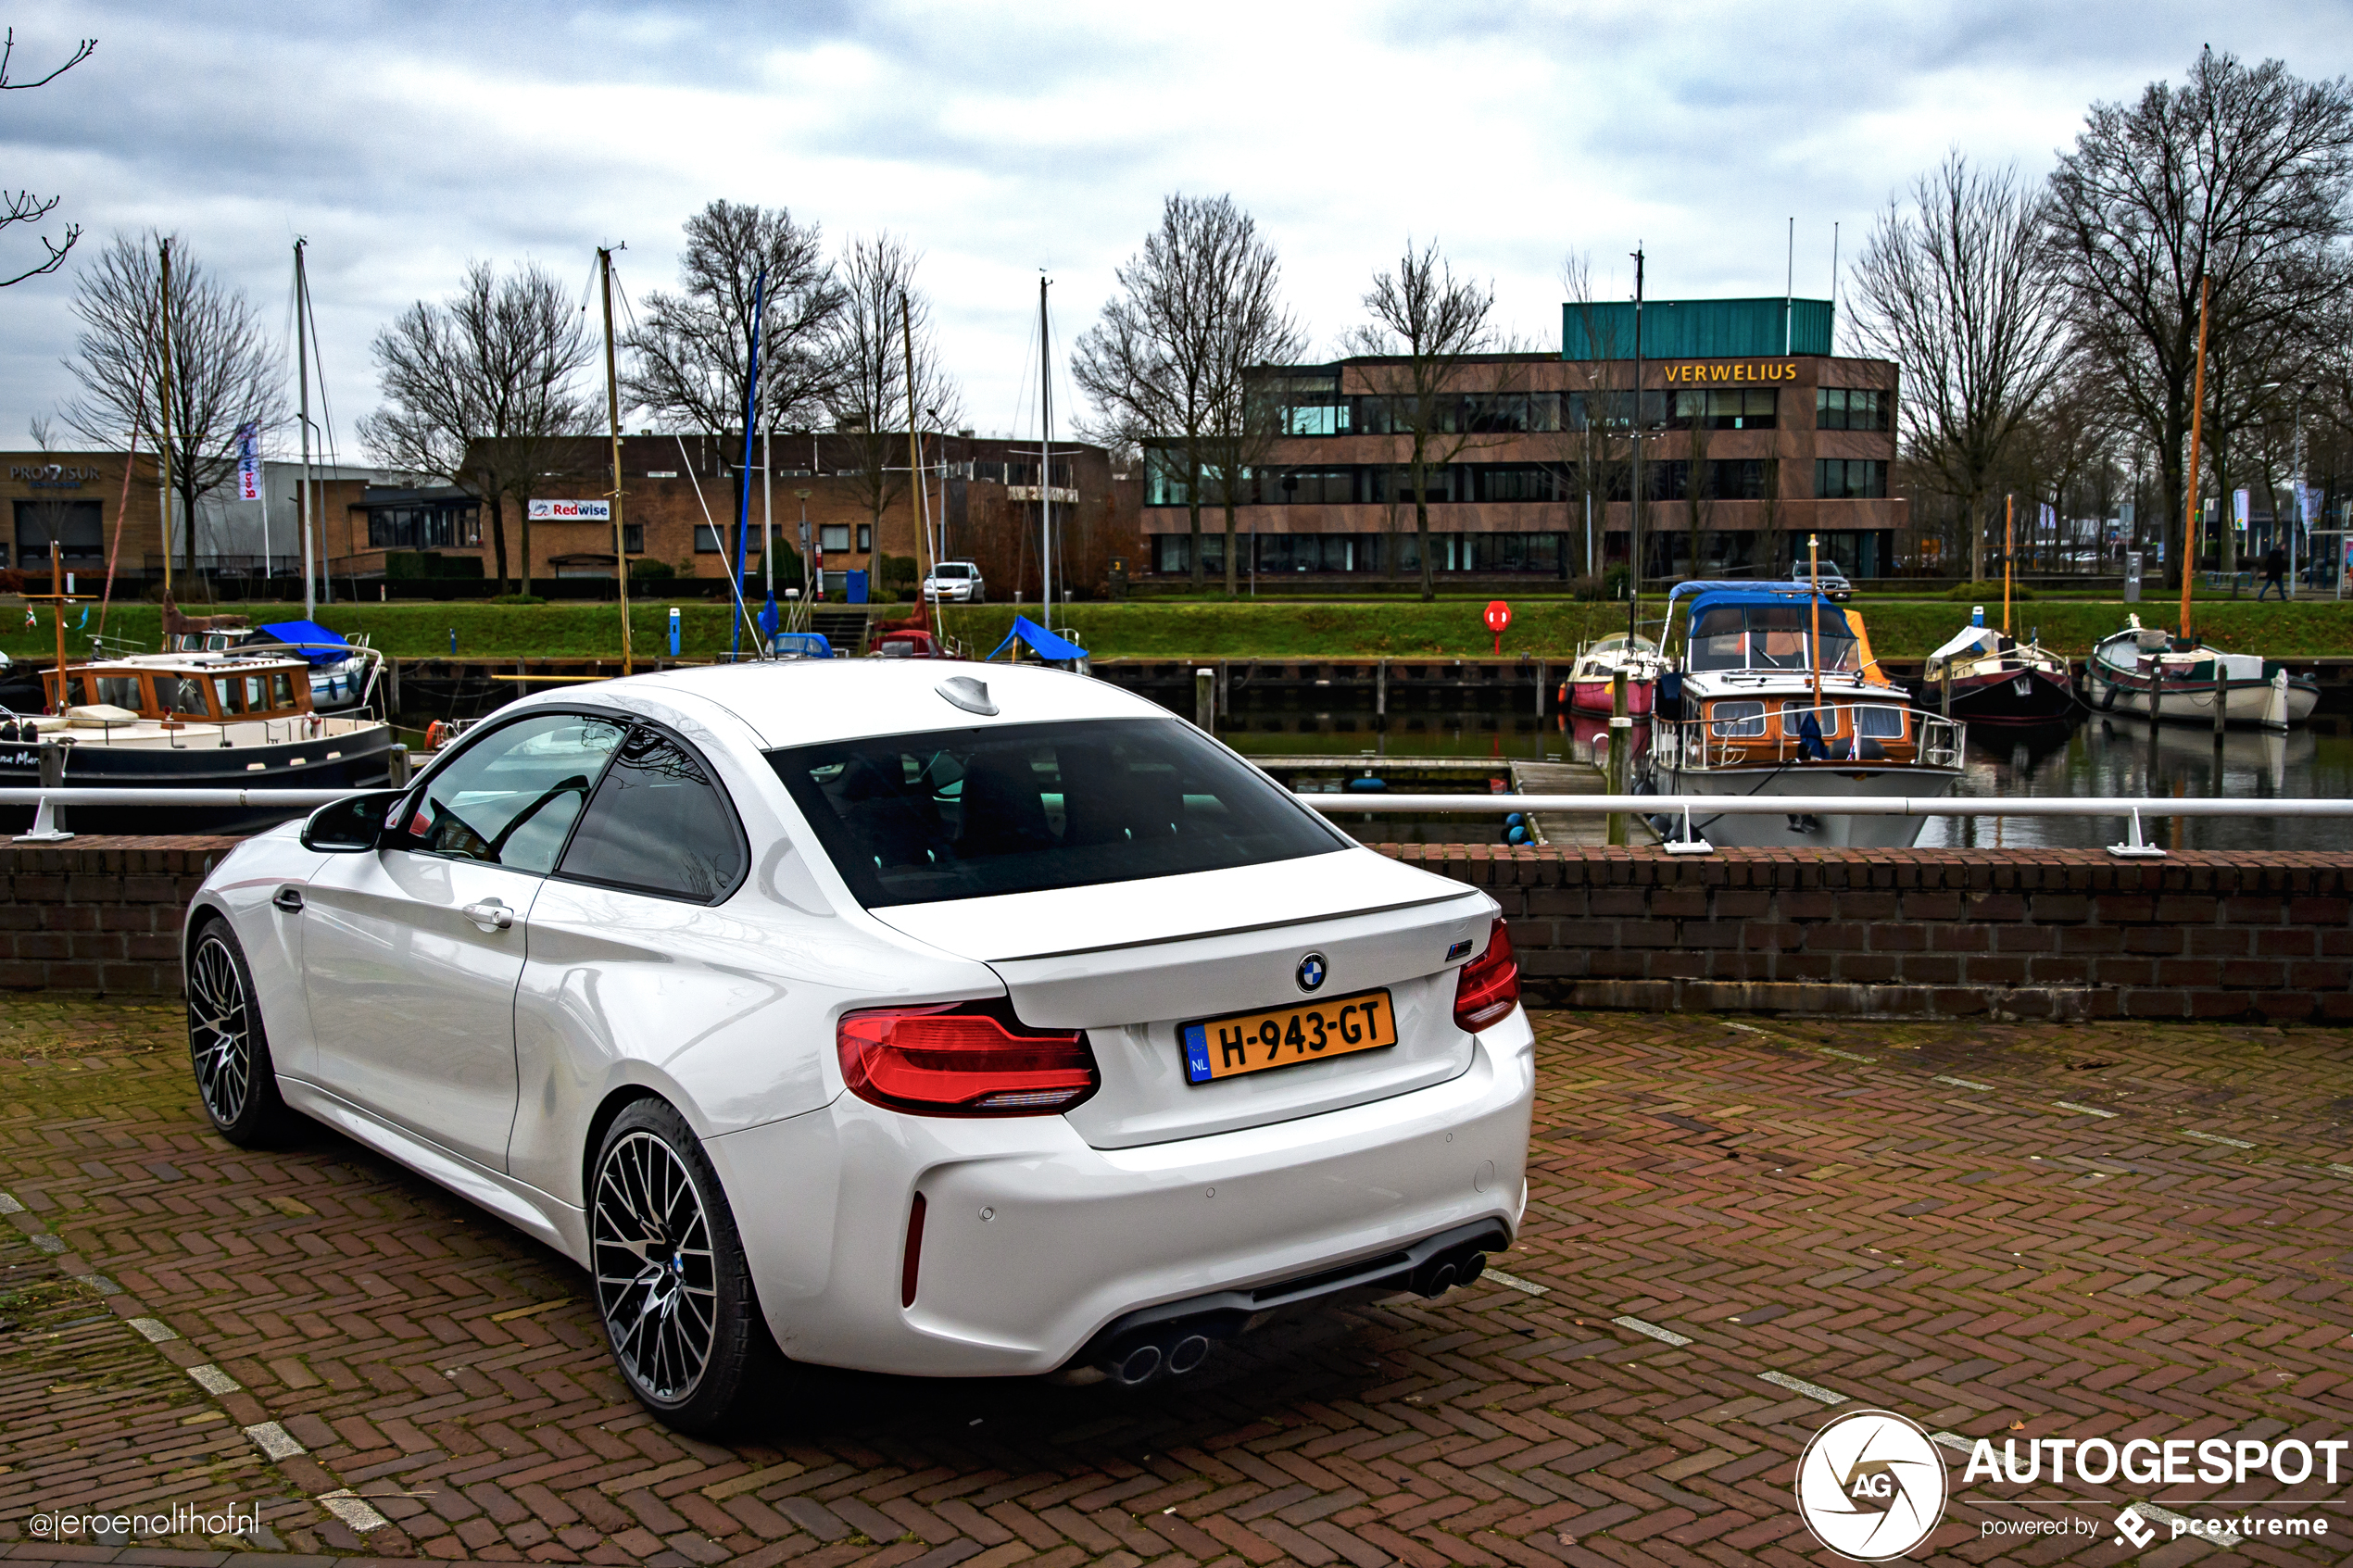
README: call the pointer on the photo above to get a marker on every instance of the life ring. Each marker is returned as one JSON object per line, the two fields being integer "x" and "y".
{"x": 435, "y": 733}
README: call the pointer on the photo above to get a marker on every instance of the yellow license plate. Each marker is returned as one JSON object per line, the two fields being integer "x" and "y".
{"x": 1253, "y": 1042}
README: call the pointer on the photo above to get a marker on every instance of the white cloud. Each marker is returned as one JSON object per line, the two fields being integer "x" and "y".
{"x": 406, "y": 139}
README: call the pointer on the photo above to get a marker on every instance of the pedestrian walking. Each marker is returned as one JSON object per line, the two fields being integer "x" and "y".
{"x": 2274, "y": 575}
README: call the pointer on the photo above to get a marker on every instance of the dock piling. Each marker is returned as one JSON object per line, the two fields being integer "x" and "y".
{"x": 1205, "y": 699}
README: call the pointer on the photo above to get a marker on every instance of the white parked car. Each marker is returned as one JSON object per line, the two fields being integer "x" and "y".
{"x": 957, "y": 580}
{"x": 911, "y": 1016}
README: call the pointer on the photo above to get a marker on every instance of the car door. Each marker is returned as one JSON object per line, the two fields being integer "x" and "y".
{"x": 411, "y": 952}
{"x": 632, "y": 954}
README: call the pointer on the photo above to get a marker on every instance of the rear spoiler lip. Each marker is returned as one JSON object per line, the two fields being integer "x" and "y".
{"x": 1242, "y": 930}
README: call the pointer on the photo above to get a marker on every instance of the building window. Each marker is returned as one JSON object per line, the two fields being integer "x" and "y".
{"x": 1613, "y": 411}
{"x": 1306, "y": 487}
{"x": 1726, "y": 409}
{"x": 633, "y": 538}
{"x": 1850, "y": 407}
{"x": 424, "y": 525}
{"x": 1519, "y": 481}
{"x": 76, "y": 525}
{"x": 1850, "y": 479}
{"x": 710, "y": 541}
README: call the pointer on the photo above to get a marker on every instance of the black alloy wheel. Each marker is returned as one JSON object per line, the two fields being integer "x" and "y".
{"x": 227, "y": 1044}
{"x": 673, "y": 1288}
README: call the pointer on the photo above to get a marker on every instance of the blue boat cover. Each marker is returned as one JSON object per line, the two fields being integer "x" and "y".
{"x": 1042, "y": 643}
{"x": 806, "y": 644}
{"x": 316, "y": 643}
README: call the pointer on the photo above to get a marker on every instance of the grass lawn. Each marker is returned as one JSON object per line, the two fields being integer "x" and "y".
{"x": 1548, "y": 628}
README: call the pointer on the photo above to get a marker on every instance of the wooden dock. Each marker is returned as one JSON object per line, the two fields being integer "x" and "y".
{"x": 1583, "y": 829}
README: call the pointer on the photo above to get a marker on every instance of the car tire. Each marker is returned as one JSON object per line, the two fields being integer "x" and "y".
{"x": 673, "y": 1290}
{"x": 227, "y": 1047}
{"x": 977, "y": 596}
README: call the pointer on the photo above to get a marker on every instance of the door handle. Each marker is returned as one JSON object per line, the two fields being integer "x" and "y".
{"x": 491, "y": 915}
{"x": 289, "y": 899}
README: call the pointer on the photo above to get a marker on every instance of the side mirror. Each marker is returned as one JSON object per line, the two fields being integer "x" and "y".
{"x": 348, "y": 826}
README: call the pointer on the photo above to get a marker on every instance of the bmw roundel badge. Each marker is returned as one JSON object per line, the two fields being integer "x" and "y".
{"x": 1312, "y": 969}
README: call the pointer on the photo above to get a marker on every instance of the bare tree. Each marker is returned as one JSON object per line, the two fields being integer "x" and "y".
{"x": 869, "y": 397}
{"x": 1958, "y": 294}
{"x": 25, "y": 207}
{"x": 1250, "y": 332}
{"x": 1151, "y": 365}
{"x": 691, "y": 351}
{"x": 480, "y": 391}
{"x": 1588, "y": 440}
{"x": 225, "y": 373}
{"x": 1445, "y": 374}
{"x": 2238, "y": 180}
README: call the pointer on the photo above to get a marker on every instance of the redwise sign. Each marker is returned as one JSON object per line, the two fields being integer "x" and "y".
{"x": 572, "y": 512}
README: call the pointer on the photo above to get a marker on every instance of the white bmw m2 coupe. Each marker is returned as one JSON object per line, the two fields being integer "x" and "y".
{"x": 923, "y": 1017}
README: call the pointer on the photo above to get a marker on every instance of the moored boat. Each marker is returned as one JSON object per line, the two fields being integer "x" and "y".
{"x": 1591, "y": 678}
{"x": 1775, "y": 693}
{"x": 189, "y": 721}
{"x": 2147, "y": 671}
{"x": 1994, "y": 678}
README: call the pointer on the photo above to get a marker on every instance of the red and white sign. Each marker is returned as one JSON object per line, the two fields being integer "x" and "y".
{"x": 572, "y": 512}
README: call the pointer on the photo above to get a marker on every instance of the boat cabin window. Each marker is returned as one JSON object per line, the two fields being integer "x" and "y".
{"x": 1880, "y": 723}
{"x": 1736, "y": 717}
{"x": 1794, "y": 716}
{"x": 183, "y": 694}
{"x": 115, "y": 691}
{"x": 1770, "y": 637}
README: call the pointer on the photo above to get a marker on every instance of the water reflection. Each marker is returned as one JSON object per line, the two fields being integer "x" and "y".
{"x": 2102, "y": 755}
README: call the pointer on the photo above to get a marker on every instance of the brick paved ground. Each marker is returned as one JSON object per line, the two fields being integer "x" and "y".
{"x": 1931, "y": 1219}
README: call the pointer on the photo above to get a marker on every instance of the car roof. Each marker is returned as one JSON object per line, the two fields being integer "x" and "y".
{"x": 795, "y": 702}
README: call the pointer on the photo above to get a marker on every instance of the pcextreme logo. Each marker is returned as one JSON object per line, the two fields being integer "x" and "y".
{"x": 1870, "y": 1486}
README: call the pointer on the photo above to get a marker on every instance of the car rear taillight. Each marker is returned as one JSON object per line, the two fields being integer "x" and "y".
{"x": 963, "y": 1060}
{"x": 1488, "y": 988}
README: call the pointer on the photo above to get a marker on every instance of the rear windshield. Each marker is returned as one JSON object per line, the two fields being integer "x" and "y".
{"x": 1023, "y": 807}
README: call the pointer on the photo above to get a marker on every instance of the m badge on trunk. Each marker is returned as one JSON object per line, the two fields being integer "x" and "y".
{"x": 1312, "y": 969}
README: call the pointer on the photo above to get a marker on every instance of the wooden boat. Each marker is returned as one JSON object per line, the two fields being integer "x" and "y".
{"x": 1996, "y": 678}
{"x": 2147, "y": 671}
{"x": 210, "y": 721}
{"x": 1757, "y": 705}
{"x": 1590, "y": 678}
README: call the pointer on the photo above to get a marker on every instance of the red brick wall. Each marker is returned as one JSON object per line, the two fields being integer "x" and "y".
{"x": 98, "y": 913}
{"x": 1896, "y": 934}
{"x": 1925, "y": 933}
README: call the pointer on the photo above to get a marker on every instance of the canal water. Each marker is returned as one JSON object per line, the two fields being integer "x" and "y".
{"x": 2103, "y": 755}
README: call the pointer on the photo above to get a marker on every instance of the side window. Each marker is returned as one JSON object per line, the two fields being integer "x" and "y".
{"x": 659, "y": 824}
{"x": 509, "y": 798}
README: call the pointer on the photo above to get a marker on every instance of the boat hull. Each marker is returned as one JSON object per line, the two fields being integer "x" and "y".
{"x": 2111, "y": 690}
{"x": 1595, "y": 696}
{"x": 1830, "y": 831}
{"x": 2023, "y": 695}
{"x": 361, "y": 760}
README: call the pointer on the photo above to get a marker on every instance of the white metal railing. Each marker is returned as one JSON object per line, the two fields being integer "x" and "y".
{"x": 1673, "y": 807}
{"x": 1681, "y": 808}
{"x": 1706, "y": 745}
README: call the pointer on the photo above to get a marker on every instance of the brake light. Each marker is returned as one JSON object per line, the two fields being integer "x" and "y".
{"x": 1487, "y": 988}
{"x": 963, "y": 1060}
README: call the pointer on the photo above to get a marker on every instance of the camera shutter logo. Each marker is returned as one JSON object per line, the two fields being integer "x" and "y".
{"x": 1870, "y": 1486}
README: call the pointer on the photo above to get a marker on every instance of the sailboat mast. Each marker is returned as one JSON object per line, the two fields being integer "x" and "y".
{"x": 2189, "y": 524}
{"x": 612, "y": 417}
{"x": 1045, "y": 460}
{"x": 164, "y": 446}
{"x": 1634, "y": 493}
{"x": 302, "y": 375}
{"x": 914, "y": 455}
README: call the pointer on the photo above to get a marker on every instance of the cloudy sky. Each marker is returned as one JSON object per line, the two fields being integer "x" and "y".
{"x": 404, "y": 140}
